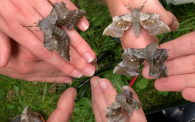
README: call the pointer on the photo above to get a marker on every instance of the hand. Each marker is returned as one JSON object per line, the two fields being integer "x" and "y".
{"x": 18, "y": 62}
{"x": 104, "y": 94}
{"x": 65, "y": 107}
{"x": 128, "y": 40}
{"x": 180, "y": 66}
{"x": 25, "y": 14}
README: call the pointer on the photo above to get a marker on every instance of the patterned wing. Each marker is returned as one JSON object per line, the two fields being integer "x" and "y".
{"x": 66, "y": 18}
{"x": 159, "y": 70}
{"x": 54, "y": 42}
{"x": 118, "y": 26}
{"x": 132, "y": 102}
{"x": 113, "y": 113}
{"x": 29, "y": 116}
{"x": 132, "y": 59}
{"x": 153, "y": 23}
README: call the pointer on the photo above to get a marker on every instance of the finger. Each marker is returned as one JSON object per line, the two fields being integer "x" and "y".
{"x": 175, "y": 83}
{"x": 99, "y": 97}
{"x": 36, "y": 47}
{"x": 5, "y": 49}
{"x": 83, "y": 24}
{"x": 136, "y": 116}
{"x": 108, "y": 90}
{"x": 78, "y": 62}
{"x": 182, "y": 46}
{"x": 50, "y": 79}
{"x": 137, "y": 42}
{"x": 188, "y": 94}
{"x": 65, "y": 107}
{"x": 96, "y": 111}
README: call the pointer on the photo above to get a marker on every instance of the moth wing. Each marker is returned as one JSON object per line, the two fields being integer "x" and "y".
{"x": 132, "y": 59}
{"x": 61, "y": 45}
{"x": 153, "y": 23}
{"x": 159, "y": 70}
{"x": 74, "y": 17}
{"x": 53, "y": 42}
{"x": 118, "y": 26}
{"x": 69, "y": 19}
{"x": 28, "y": 116}
{"x": 114, "y": 113}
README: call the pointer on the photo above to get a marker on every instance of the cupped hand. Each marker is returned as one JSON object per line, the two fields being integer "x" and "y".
{"x": 180, "y": 66}
{"x": 104, "y": 94}
{"x": 65, "y": 107}
{"x": 128, "y": 40}
{"x": 14, "y": 14}
{"x": 18, "y": 62}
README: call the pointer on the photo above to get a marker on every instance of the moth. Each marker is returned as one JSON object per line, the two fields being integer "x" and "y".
{"x": 28, "y": 116}
{"x": 54, "y": 37}
{"x": 136, "y": 18}
{"x": 133, "y": 58}
{"x": 123, "y": 101}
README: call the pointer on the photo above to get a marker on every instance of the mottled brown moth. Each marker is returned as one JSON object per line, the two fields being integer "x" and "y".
{"x": 133, "y": 58}
{"x": 123, "y": 101}
{"x": 136, "y": 18}
{"x": 54, "y": 37}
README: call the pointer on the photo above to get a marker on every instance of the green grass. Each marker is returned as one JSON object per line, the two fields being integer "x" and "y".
{"x": 42, "y": 97}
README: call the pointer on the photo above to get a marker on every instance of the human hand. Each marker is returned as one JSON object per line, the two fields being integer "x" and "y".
{"x": 180, "y": 66}
{"x": 25, "y": 13}
{"x": 19, "y": 63}
{"x": 65, "y": 106}
{"x": 104, "y": 94}
{"x": 128, "y": 40}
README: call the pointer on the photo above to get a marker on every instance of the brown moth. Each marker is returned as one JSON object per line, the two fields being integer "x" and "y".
{"x": 54, "y": 37}
{"x": 123, "y": 101}
{"x": 136, "y": 18}
{"x": 28, "y": 116}
{"x": 133, "y": 58}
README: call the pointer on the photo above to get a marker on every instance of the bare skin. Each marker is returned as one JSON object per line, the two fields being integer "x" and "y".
{"x": 104, "y": 94}
{"x": 30, "y": 42}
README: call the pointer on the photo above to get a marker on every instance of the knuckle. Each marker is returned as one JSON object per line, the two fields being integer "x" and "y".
{"x": 44, "y": 53}
{"x": 55, "y": 74}
{"x": 64, "y": 67}
{"x": 78, "y": 44}
{"x": 77, "y": 60}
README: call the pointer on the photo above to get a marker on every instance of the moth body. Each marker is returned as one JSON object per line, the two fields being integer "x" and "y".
{"x": 121, "y": 99}
{"x": 135, "y": 15}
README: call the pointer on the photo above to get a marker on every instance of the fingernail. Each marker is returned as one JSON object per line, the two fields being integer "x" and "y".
{"x": 89, "y": 57}
{"x": 89, "y": 71}
{"x": 84, "y": 25}
{"x": 76, "y": 73}
{"x": 68, "y": 81}
{"x": 75, "y": 94}
{"x": 102, "y": 84}
{"x": 175, "y": 25}
{"x": 94, "y": 82}
{"x": 125, "y": 87}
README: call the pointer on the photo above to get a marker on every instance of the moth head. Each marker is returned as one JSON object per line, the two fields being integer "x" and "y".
{"x": 151, "y": 48}
{"x": 142, "y": 5}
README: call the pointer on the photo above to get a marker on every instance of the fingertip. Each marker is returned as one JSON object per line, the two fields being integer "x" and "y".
{"x": 145, "y": 72}
{"x": 83, "y": 24}
{"x": 188, "y": 94}
{"x": 171, "y": 21}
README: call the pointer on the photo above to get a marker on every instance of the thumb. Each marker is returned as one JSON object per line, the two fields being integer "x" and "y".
{"x": 65, "y": 107}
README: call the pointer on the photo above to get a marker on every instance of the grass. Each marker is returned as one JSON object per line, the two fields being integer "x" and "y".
{"x": 42, "y": 97}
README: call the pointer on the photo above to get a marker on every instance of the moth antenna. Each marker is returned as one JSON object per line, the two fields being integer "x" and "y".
{"x": 141, "y": 5}
{"x": 129, "y": 6}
